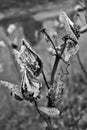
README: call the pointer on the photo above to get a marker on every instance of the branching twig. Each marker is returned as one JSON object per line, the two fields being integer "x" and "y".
{"x": 58, "y": 57}
{"x": 44, "y": 31}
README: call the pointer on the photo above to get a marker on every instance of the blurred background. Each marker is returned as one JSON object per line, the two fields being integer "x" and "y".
{"x": 25, "y": 18}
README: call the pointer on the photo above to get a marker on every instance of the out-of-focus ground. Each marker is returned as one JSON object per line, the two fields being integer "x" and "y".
{"x": 23, "y": 116}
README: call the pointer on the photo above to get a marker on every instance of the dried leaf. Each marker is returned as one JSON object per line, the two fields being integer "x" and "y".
{"x": 51, "y": 112}
{"x": 28, "y": 59}
{"x": 14, "y": 89}
{"x": 70, "y": 50}
{"x": 30, "y": 85}
{"x": 30, "y": 66}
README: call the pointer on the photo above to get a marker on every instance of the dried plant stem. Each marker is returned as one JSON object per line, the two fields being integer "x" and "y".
{"x": 44, "y": 31}
{"x": 57, "y": 56}
{"x": 56, "y": 62}
{"x": 44, "y": 77}
{"x": 57, "y": 59}
{"x": 82, "y": 67}
{"x": 36, "y": 106}
{"x": 54, "y": 69}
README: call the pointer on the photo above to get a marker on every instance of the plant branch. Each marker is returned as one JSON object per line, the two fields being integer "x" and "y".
{"x": 44, "y": 77}
{"x": 54, "y": 69}
{"x": 57, "y": 59}
{"x": 44, "y": 31}
{"x": 56, "y": 62}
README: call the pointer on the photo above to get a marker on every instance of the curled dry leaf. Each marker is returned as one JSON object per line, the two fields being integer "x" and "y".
{"x": 14, "y": 89}
{"x": 51, "y": 112}
{"x": 28, "y": 59}
{"x": 30, "y": 86}
{"x": 70, "y": 50}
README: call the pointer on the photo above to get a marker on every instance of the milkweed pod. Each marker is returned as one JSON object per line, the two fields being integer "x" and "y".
{"x": 27, "y": 58}
{"x": 72, "y": 35}
{"x": 69, "y": 26}
{"x": 51, "y": 112}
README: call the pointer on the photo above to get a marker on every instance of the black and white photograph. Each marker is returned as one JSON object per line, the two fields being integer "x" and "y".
{"x": 43, "y": 64}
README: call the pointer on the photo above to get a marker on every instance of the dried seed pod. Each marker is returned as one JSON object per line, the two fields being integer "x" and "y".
{"x": 28, "y": 59}
{"x": 51, "y": 112}
{"x": 69, "y": 26}
{"x": 70, "y": 39}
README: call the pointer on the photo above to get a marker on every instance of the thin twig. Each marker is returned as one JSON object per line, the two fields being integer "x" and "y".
{"x": 46, "y": 119}
{"x": 44, "y": 77}
{"x": 44, "y": 31}
{"x": 36, "y": 106}
{"x": 83, "y": 69}
{"x": 57, "y": 59}
{"x": 58, "y": 56}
